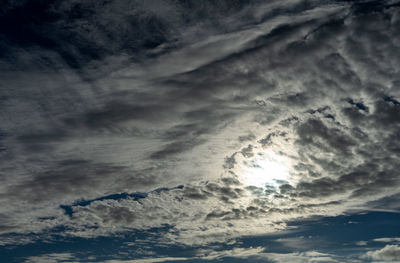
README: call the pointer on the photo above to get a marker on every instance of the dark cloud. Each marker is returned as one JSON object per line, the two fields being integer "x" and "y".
{"x": 69, "y": 178}
{"x": 103, "y": 98}
{"x": 195, "y": 193}
{"x": 81, "y": 32}
{"x": 230, "y": 161}
{"x": 230, "y": 189}
{"x": 268, "y": 139}
{"x": 2, "y": 137}
{"x": 42, "y": 141}
{"x": 315, "y": 132}
{"x": 175, "y": 148}
{"x": 115, "y": 113}
{"x": 225, "y": 193}
{"x": 244, "y": 138}
{"x": 391, "y": 203}
{"x": 247, "y": 151}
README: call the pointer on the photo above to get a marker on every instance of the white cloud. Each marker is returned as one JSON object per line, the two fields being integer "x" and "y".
{"x": 148, "y": 260}
{"x": 52, "y": 258}
{"x": 202, "y": 254}
{"x": 387, "y": 239}
{"x": 233, "y": 253}
{"x": 389, "y": 253}
{"x": 361, "y": 243}
{"x": 242, "y": 253}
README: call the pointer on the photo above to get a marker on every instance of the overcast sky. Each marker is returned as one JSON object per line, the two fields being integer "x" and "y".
{"x": 139, "y": 131}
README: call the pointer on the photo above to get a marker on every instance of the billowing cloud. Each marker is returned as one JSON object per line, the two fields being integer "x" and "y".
{"x": 390, "y": 253}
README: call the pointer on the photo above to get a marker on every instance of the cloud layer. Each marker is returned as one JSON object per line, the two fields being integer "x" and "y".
{"x": 216, "y": 119}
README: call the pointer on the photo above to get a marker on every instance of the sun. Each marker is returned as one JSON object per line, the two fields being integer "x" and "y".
{"x": 265, "y": 168}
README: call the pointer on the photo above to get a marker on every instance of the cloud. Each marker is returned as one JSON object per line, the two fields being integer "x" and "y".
{"x": 387, "y": 239}
{"x": 243, "y": 253}
{"x": 308, "y": 257}
{"x": 205, "y": 255}
{"x": 149, "y": 260}
{"x": 66, "y": 180}
{"x": 389, "y": 253}
{"x": 298, "y": 243}
{"x": 52, "y": 258}
{"x": 260, "y": 253}
{"x": 131, "y": 97}
{"x": 361, "y": 243}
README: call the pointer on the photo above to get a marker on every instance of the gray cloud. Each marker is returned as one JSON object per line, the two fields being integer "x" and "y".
{"x": 72, "y": 177}
{"x": 125, "y": 96}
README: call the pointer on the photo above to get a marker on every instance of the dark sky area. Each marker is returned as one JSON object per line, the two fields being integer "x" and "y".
{"x": 199, "y": 131}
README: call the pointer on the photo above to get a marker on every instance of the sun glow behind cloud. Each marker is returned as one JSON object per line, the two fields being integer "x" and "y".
{"x": 265, "y": 168}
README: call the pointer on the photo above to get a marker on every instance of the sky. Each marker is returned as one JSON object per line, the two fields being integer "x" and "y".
{"x": 199, "y": 131}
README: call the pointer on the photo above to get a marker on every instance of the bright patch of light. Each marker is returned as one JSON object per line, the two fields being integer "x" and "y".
{"x": 265, "y": 168}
